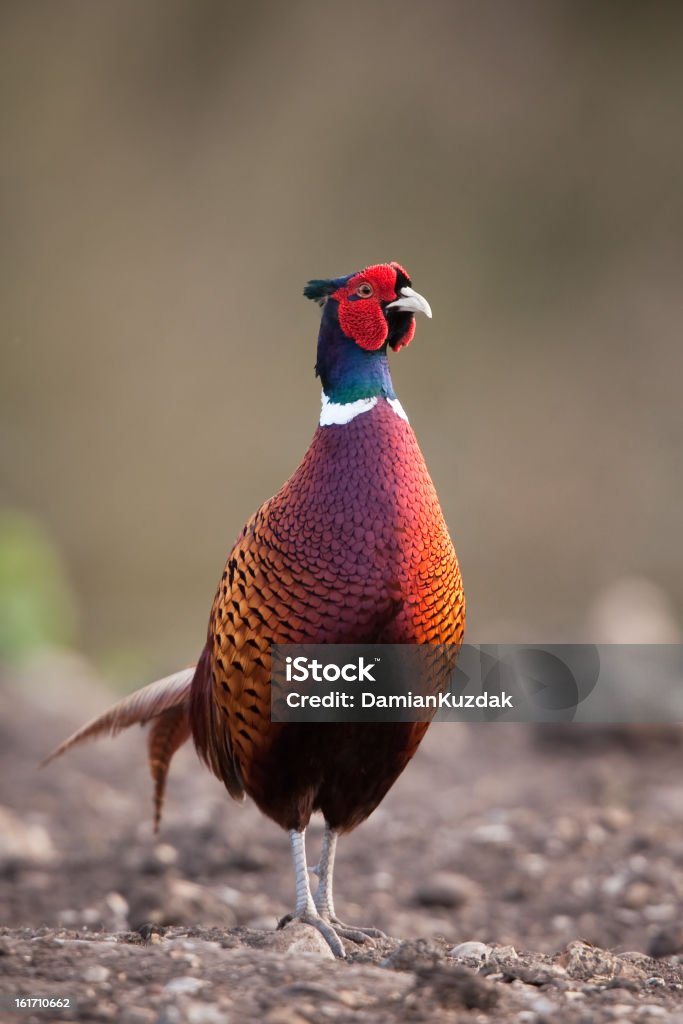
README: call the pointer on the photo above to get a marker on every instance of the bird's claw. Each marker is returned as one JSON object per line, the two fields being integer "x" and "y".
{"x": 326, "y": 929}
{"x": 358, "y": 935}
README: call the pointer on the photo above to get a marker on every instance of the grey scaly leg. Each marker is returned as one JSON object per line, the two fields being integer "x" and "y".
{"x": 305, "y": 909}
{"x": 304, "y": 899}
{"x": 324, "y": 900}
{"x": 325, "y": 871}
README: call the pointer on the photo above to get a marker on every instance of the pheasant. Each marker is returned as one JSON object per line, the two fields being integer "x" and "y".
{"x": 352, "y": 549}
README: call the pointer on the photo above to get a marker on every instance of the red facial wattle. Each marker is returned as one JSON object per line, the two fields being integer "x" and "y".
{"x": 362, "y": 307}
{"x": 405, "y": 339}
{"x": 364, "y": 321}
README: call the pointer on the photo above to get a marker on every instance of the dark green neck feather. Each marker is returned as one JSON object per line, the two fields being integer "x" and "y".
{"x": 348, "y": 372}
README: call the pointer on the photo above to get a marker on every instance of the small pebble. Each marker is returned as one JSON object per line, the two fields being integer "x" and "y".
{"x": 116, "y": 912}
{"x": 543, "y": 1006}
{"x": 596, "y": 834}
{"x": 614, "y": 884}
{"x": 505, "y": 953}
{"x": 561, "y": 923}
{"x": 637, "y": 895}
{"x": 165, "y": 854}
{"x": 471, "y": 951}
{"x": 204, "y": 1013}
{"x": 495, "y": 833}
{"x": 534, "y": 865}
{"x": 24, "y": 841}
{"x": 185, "y": 985}
{"x": 638, "y": 864}
{"x": 96, "y": 973}
{"x": 446, "y": 889}
{"x": 616, "y": 818}
{"x": 298, "y": 940}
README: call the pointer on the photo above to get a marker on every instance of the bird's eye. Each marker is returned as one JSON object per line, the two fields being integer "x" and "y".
{"x": 364, "y": 290}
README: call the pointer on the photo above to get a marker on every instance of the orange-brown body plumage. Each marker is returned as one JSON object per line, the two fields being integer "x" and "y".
{"x": 353, "y": 549}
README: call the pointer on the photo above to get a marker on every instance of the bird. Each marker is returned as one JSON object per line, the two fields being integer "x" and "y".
{"x": 353, "y": 548}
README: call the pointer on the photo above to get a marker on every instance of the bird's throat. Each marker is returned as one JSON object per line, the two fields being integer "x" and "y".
{"x": 349, "y": 373}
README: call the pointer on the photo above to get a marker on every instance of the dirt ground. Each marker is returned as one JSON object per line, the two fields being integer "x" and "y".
{"x": 556, "y": 859}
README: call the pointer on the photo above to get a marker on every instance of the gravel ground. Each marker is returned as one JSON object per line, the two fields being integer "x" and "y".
{"x": 521, "y": 876}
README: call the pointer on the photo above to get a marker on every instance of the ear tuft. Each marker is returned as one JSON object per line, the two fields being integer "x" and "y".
{"x": 319, "y": 290}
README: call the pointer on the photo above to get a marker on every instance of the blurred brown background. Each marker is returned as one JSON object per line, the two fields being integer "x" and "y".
{"x": 173, "y": 172}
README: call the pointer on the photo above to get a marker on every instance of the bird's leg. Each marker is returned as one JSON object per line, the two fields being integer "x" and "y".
{"x": 304, "y": 899}
{"x": 305, "y": 909}
{"x": 323, "y": 899}
{"x": 324, "y": 869}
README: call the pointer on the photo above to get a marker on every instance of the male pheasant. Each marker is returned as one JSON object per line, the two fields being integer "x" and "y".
{"x": 352, "y": 549}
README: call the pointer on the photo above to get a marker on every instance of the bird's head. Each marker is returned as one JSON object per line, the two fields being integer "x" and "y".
{"x": 364, "y": 314}
{"x": 374, "y": 307}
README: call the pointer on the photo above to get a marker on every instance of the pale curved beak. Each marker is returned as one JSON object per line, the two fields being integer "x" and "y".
{"x": 412, "y": 301}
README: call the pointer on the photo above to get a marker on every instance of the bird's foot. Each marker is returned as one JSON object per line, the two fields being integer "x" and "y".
{"x": 358, "y": 935}
{"x": 326, "y": 929}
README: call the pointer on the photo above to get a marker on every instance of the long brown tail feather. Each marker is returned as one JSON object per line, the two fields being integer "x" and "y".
{"x": 167, "y": 734}
{"x": 167, "y": 703}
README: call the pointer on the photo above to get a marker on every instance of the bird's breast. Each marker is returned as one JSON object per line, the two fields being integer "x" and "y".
{"x": 362, "y": 517}
{"x": 352, "y": 549}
